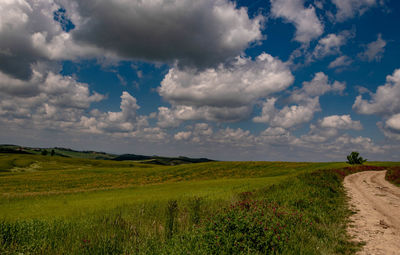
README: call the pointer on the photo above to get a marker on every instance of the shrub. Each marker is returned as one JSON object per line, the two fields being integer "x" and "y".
{"x": 355, "y": 158}
{"x": 393, "y": 175}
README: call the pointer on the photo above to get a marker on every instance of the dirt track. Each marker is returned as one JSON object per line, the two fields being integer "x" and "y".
{"x": 377, "y": 206}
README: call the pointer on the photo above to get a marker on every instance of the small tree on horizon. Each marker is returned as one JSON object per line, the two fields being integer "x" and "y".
{"x": 355, "y": 158}
{"x": 44, "y": 152}
{"x": 52, "y": 152}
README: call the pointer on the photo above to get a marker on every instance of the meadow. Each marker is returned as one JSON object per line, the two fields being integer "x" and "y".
{"x": 58, "y": 205}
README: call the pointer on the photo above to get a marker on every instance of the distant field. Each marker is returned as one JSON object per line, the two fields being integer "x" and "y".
{"x": 63, "y": 186}
{"x": 58, "y": 205}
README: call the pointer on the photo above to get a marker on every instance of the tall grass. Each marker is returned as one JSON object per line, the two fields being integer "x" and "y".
{"x": 212, "y": 208}
{"x": 304, "y": 214}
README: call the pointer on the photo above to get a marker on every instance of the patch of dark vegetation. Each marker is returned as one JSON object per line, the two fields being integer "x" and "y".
{"x": 166, "y": 161}
{"x": 393, "y": 175}
{"x": 343, "y": 172}
{"x": 70, "y": 153}
{"x": 14, "y": 151}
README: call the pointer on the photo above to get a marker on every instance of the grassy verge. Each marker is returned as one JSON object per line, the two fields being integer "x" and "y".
{"x": 393, "y": 175}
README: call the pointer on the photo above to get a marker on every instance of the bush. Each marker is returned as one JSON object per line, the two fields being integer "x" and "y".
{"x": 393, "y": 175}
{"x": 355, "y": 158}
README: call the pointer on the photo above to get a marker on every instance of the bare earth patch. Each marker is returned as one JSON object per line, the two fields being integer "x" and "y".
{"x": 377, "y": 206}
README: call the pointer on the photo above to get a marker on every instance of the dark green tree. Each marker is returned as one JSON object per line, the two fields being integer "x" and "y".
{"x": 44, "y": 152}
{"x": 355, "y": 158}
{"x": 52, "y": 153}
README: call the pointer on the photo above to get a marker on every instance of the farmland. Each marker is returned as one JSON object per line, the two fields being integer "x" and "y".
{"x": 59, "y": 205}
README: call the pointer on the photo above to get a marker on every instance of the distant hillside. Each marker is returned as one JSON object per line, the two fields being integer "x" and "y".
{"x": 66, "y": 152}
{"x": 161, "y": 160}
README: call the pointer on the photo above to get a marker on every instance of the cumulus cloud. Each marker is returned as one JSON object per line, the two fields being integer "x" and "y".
{"x": 288, "y": 116}
{"x": 394, "y": 122}
{"x": 330, "y": 44}
{"x": 391, "y": 127}
{"x": 341, "y": 61}
{"x": 308, "y": 26}
{"x": 374, "y": 50}
{"x": 19, "y": 21}
{"x": 198, "y": 33}
{"x": 386, "y": 99}
{"x": 340, "y": 122}
{"x": 45, "y": 97}
{"x": 349, "y": 8}
{"x": 318, "y": 86}
{"x": 225, "y": 93}
{"x": 328, "y": 136}
{"x": 56, "y": 102}
{"x": 182, "y": 135}
{"x": 305, "y": 102}
{"x": 384, "y": 102}
{"x": 237, "y": 137}
{"x": 201, "y": 33}
{"x": 30, "y": 34}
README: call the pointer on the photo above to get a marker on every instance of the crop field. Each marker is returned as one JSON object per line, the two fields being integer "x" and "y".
{"x": 58, "y": 205}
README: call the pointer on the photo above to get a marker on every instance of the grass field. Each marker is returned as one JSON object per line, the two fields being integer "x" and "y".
{"x": 56, "y": 205}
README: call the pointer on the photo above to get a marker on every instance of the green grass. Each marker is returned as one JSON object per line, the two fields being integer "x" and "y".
{"x": 56, "y": 205}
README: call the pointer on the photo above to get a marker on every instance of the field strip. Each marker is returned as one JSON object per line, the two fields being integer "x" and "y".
{"x": 55, "y": 205}
{"x": 377, "y": 206}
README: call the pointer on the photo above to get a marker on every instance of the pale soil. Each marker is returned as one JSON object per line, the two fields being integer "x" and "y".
{"x": 377, "y": 206}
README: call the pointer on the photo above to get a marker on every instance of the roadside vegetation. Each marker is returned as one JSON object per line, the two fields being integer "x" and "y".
{"x": 81, "y": 206}
{"x": 393, "y": 175}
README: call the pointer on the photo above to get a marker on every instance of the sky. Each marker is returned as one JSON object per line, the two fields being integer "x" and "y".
{"x": 276, "y": 80}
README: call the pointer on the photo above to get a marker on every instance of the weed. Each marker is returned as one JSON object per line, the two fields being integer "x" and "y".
{"x": 171, "y": 218}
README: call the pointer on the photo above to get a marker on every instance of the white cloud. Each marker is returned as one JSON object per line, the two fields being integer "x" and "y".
{"x": 341, "y": 62}
{"x": 167, "y": 118}
{"x": 386, "y": 99}
{"x": 308, "y": 26}
{"x": 30, "y": 35}
{"x": 340, "y": 122}
{"x": 182, "y": 135}
{"x": 391, "y": 127}
{"x": 349, "y": 8}
{"x": 384, "y": 102}
{"x": 44, "y": 98}
{"x": 305, "y": 103}
{"x": 237, "y": 137}
{"x": 225, "y": 93}
{"x": 329, "y": 45}
{"x": 394, "y": 122}
{"x": 288, "y": 116}
{"x": 374, "y": 50}
{"x": 125, "y": 120}
{"x": 318, "y": 86}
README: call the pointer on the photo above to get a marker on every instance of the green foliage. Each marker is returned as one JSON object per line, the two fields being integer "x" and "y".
{"x": 355, "y": 158}
{"x": 172, "y": 212}
{"x": 195, "y": 209}
{"x": 44, "y": 152}
{"x": 251, "y": 226}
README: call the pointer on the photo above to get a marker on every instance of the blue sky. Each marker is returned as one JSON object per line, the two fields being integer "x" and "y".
{"x": 289, "y": 80}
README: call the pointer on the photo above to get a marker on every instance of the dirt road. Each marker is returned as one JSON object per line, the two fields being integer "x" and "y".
{"x": 377, "y": 206}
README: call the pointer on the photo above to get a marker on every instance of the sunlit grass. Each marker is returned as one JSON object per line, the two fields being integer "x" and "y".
{"x": 55, "y": 205}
